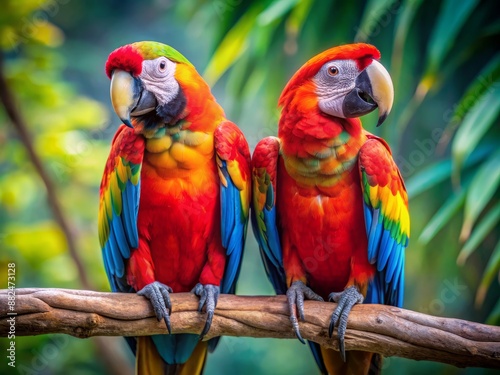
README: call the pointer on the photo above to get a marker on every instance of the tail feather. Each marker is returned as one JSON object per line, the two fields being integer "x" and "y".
{"x": 149, "y": 361}
{"x": 357, "y": 362}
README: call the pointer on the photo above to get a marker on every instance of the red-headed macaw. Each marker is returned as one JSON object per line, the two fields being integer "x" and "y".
{"x": 174, "y": 197}
{"x": 330, "y": 209}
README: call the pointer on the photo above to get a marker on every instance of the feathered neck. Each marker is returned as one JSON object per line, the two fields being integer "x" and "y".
{"x": 303, "y": 126}
{"x": 197, "y": 109}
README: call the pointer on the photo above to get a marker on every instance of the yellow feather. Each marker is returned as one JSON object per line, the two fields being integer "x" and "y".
{"x": 374, "y": 196}
{"x": 107, "y": 204}
{"x": 234, "y": 172}
{"x": 156, "y": 145}
{"x": 163, "y": 160}
{"x": 186, "y": 156}
{"x": 405, "y": 221}
{"x": 389, "y": 201}
{"x": 121, "y": 170}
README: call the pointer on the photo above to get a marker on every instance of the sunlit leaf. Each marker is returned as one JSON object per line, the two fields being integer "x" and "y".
{"x": 36, "y": 242}
{"x": 484, "y": 184}
{"x": 452, "y": 17}
{"x": 275, "y": 10}
{"x": 232, "y": 46}
{"x": 298, "y": 16}
{"x": 447, "y": 211}
{"x": 482, "y": 229}
{"x": 474, "y": 126}
{"x": 48, "y": 34}
{"x": 492, "y": 269}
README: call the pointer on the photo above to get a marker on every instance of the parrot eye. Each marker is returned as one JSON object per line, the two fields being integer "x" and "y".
{"x": 162, "y": 66}
{"x": 332, "y": 71}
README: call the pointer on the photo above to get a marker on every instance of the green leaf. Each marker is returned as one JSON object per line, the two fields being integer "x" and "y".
{"x": 483, "y": 186}
{"x": 428, "y": 178}
{"x": 482, "y": 229}
{"x": 488, "y": 76}
{"x": 451, "y": 18}
{"x": 438, "y": 172}
{"x": 403, "y": 22}
{"x": 298, "y": 16}
{"x": 475, "y": 125}
{"x": 492, "y": 269}
{"x": 232, "y": 46}
{"x": 275, "y": 10}
{"x": 494, "y": 317}
{"x": 374, "y": 11}
{"x": 443, "y": 216}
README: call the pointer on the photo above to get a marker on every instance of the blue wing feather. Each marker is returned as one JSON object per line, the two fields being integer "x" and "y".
{"x": 130, "y": 201}
{"x": 386, "y": 241}
{"x": 118, "y": 266}
{"x": 264, "y": 223}
{"x": 233, "y": 230}
{"x": 119, "y": 232}
{"x": 373, "y": 234}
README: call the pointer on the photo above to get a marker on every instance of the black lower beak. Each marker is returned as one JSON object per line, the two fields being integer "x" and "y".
{"x": 146, "y": 103}
{"x": 359, "y": 101}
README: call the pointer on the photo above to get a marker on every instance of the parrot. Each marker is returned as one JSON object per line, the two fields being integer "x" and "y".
{"x": 329, "y": 205}
{"x": 174, "y": 197}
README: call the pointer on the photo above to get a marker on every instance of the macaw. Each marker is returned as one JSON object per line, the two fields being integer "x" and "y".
{"x": 330, "y": 209}
{"x": 174, "y": 197}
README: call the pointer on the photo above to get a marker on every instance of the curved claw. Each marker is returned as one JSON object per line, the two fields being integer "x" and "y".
{"x": 159, "y": 296}
{"x": 296, "y": 295}
{"x": 209, "y": 295}
{"x": 346, "y": 300}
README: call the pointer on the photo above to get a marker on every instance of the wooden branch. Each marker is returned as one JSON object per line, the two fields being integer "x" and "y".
{"x": 387, "y": 330}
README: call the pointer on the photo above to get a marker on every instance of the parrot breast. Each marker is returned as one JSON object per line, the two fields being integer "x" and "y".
{"x": 176, "y": 152}
{"x": 324, "y": 225}
{"x": 179, "y": 215}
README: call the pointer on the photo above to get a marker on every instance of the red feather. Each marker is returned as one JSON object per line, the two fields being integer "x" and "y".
{"x": 125, "y": 58}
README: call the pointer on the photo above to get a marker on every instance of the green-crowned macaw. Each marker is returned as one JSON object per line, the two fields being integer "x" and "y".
{"x": 174, "y": 198}
{"x": 330, "y": 209}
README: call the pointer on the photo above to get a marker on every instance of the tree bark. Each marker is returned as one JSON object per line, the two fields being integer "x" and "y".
{"x": 387, "y": 330}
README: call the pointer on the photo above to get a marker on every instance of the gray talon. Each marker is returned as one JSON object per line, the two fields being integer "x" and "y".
{"x": 209, "y": 295}
{"x": 159, "y": 296}
{"x": 346, "y": 300}
{"x": 296, "y": 295}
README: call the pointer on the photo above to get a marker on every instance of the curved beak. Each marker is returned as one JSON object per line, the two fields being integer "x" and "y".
{"x": 125, "y": 92}
{"x": 128, "y": 96}
{"x": 373, "y": 88}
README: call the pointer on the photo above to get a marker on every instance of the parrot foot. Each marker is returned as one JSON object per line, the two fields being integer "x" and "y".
{"x": 159, "y": 296}
{"x": 296, "y": 295}
{"x": 346, "y": 300}
{"x": 209, "y": 295}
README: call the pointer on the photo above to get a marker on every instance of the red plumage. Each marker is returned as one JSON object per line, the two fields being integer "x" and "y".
{"x": 330, "y": 208}
{"x": 125, "y": 58}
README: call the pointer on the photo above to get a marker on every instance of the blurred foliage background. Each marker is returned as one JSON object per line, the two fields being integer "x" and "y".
{"x": 444, "y": 59}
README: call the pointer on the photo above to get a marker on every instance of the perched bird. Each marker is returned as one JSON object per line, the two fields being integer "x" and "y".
{"x": 174, "y": 198}
{"x": 330, "y": 209}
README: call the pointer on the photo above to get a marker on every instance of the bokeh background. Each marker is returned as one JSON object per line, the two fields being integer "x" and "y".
{"x": 444, "y": 59}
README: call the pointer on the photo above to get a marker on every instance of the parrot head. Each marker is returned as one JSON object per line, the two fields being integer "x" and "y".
{"x": 345, "y": 81}
{"x": 146, "y": 85}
